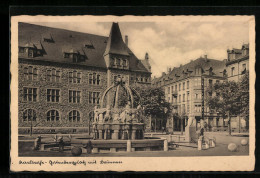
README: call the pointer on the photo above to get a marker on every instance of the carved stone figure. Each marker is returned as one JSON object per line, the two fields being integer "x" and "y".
{"x": 108, "y": 114}
{"x": 100, "y": 118}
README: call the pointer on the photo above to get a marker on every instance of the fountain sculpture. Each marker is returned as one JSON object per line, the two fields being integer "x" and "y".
{"x": 118, "y": 123}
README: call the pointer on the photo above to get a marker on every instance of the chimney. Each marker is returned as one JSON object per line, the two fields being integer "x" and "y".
{"x": 163, "y": 73}
{"x": 169, "y": 69}
{"x": 146, "y": 56}
{"x": 126, "y": 40}
{"x": 205, "y": 57}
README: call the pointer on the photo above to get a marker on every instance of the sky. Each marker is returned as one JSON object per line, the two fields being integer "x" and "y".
{"x": 170, "y": 44}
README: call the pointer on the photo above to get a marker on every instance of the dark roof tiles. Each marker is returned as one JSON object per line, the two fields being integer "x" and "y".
{"x": 65, "y": 40}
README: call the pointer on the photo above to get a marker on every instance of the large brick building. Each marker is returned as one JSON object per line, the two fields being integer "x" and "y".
{"x": 185, "y": 88}
{"x": 63, "y": 73}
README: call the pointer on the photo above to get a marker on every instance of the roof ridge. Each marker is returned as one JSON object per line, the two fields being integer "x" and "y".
{"x": 63, "y": 29}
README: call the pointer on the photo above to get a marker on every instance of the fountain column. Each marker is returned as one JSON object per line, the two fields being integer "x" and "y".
{"x": 133, "y": 134}
{"x": 100, "y": 134}
{"x": 115, "y": 135}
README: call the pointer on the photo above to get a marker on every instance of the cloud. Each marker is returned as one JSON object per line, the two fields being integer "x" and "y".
{"x": 170, "y": 44}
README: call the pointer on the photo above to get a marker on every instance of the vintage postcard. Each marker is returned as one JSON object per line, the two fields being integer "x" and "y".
{"x": 132, "y": 93}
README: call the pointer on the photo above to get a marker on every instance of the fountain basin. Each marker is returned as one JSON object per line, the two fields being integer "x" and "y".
{"x": 155, "y": 144}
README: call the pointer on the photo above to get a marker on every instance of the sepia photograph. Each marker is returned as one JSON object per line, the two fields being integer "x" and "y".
{"x": 139, "y": 93}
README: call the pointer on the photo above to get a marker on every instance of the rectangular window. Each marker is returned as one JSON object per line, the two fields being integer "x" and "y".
{"x": 175, "y": 87}
{"x": 53, "y": 95}
{"x": 232, "y": 71}
{"x": 94, "y": 97}
{"x": 188, "y": 84}
{"x": 183, "y": 86}
{"x": 210, "y": 83}
{"x": 30, "y": 73}
{"x": 30, "y": 94}
{"x": 188, "y": 108}
{"x": 188, "y": 96}
{"x": 179, "y": 87}
{"x": 183, "y": 108}
{"x": 78, "y": 77}
{"x": 98, "y": 79}
{"x": 169, "y": 89}
{"x": 74, "y": 96}
{"x": 90, "y": 78}
{"x": 244, "y": 66}
{"x": 172, "y": 89}
{"x": 94, "y": 79}
{"x": 183, "y": 97}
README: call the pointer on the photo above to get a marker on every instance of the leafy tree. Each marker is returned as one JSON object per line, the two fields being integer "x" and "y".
{"x": 244, "y": 96}
{"x": 224, "y": 100}
{"x": 152, "y": 99}
{"x": 230, "y": 99}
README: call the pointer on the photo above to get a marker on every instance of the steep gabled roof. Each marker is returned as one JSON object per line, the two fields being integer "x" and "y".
{"x": 115, "y": 43}
{"x": 66, "y": 40}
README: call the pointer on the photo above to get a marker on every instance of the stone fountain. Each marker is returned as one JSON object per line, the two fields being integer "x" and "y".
{"x": 116, "y": 123}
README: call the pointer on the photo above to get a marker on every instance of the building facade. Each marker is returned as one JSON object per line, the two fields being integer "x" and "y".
{"x": 62, "y": 75}
{"x": 186, "y": 89}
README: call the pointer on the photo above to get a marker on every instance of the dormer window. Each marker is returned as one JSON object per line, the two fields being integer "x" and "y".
{"x": 210, "y": 71}
{"x": 47, "y": 38}
{"x": 30, "y": 53}
{"x": 66, "y": 55}
{"x": 224, "y": 73}
{"x": 21, "y": 50}
{"x": 75, "y": 58}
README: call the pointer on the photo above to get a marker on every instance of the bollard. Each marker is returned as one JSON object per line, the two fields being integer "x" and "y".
{"x": 170, "y": 138}
{"x": 206, "y": 145}
{"x": 128, "y": 146}
{"x": 165, "y": 145}
{"x": 200, "y": 143}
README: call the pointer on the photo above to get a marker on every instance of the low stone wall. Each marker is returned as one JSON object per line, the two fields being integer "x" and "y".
{"x": 53, "y": 130}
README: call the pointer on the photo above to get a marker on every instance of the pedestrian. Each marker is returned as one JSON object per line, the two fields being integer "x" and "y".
{"x": 89, "y": 147}
{"x": 37, "y": 143}
{"x": 61, "y": 144}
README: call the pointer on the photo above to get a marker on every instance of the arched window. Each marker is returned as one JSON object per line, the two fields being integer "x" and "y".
{"x": 30, "y": 73}
{"x": 53, "y": 116}
{"x": 35, "y": 74}
{"x": 94, "y": 78}
{"x": 53, "y": 75}
{"x": 98, "y": 79}
{"x": 74, "y": 116}
{"x": 29, "y": 115}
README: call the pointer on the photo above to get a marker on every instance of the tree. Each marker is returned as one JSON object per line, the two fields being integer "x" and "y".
{"x": 244, "y": 96}
{"x": 225, "y": 99}
{"x": 152, "y": 99}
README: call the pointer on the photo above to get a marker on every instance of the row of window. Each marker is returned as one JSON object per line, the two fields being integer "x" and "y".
{"x": 182, "y": 108}
{"x": 233, "y": 69}
{"x": 53, "y": 95}
{"x": 54, "y": 75}
{"x": 174, "y": 99}
{"x": 51, "y": 116}
{"x": 118, "y": 62}
{"x": 182, "y": 86}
